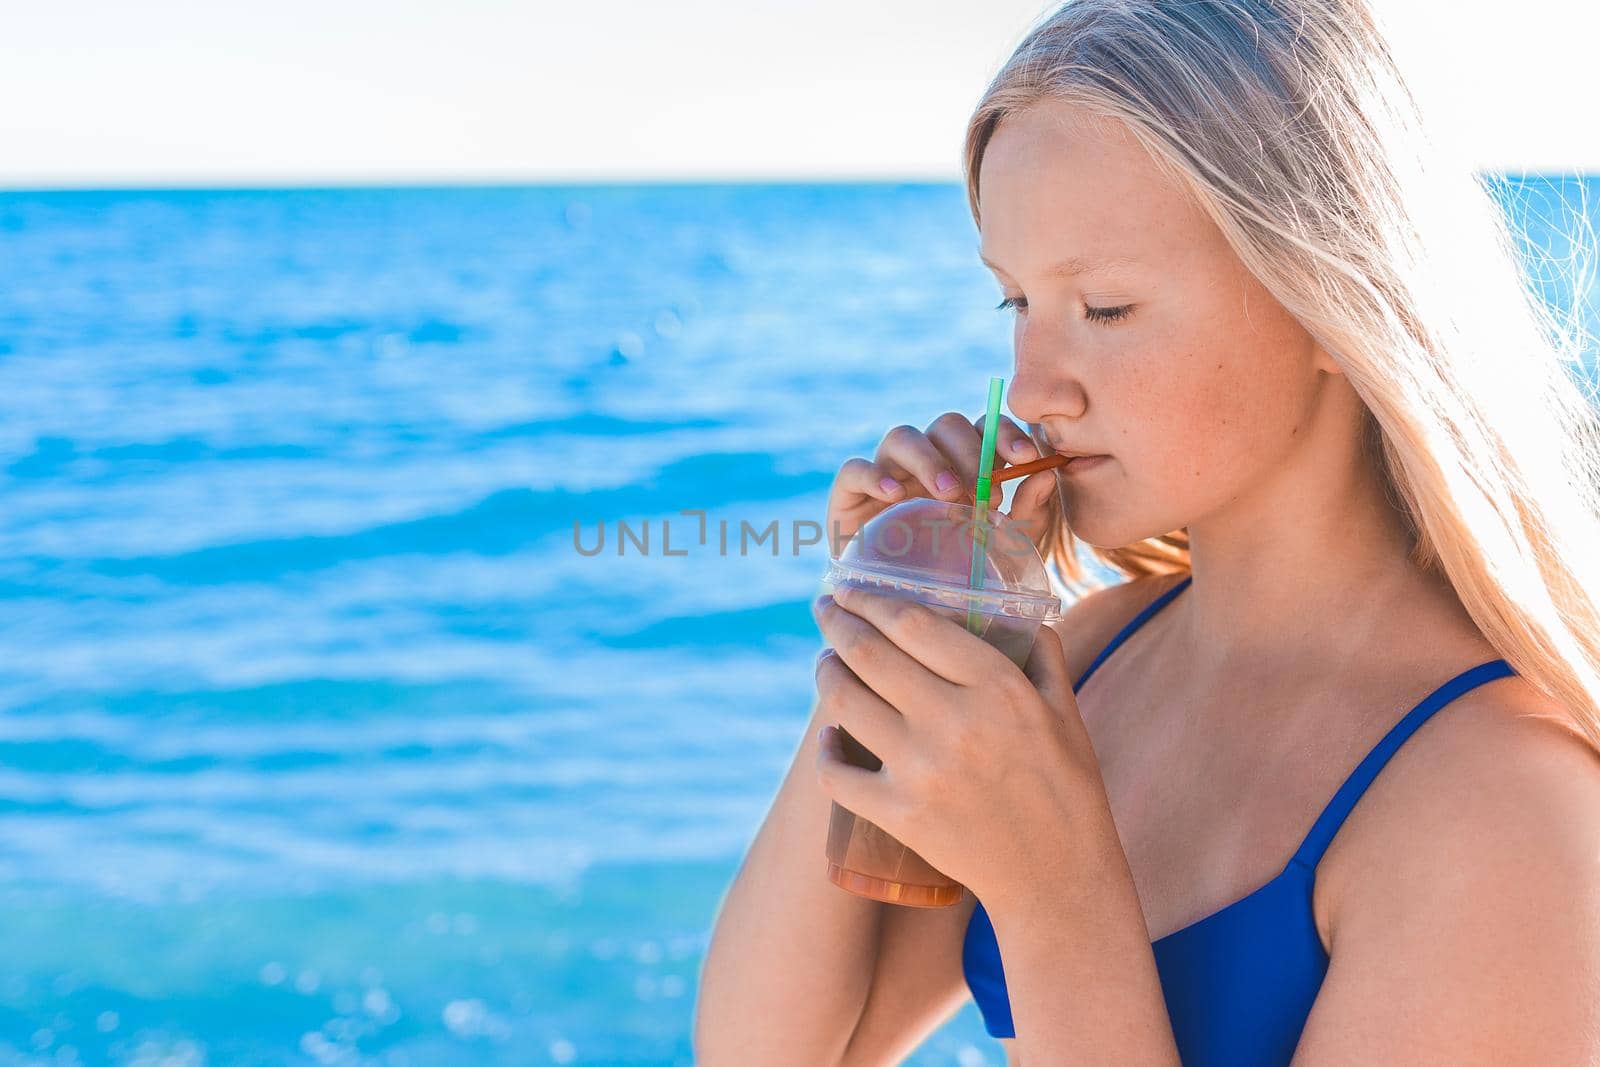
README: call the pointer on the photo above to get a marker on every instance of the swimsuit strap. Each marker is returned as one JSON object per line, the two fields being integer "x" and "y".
{"x": 1316, "y": 843}
{"x": 1137, "y": 621}
{"x": 1344, "y": 801}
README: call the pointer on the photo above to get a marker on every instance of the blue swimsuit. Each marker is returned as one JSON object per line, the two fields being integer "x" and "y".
{"x": 1238, "y": 983}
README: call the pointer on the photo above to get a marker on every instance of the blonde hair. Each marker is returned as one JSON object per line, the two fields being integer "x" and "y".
{"x": 1291, "y": 126}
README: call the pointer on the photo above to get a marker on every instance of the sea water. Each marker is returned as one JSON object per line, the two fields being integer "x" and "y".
{"x": 329, "y": 734}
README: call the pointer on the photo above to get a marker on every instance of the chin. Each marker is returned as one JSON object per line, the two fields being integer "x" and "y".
{"x": 1112, "y": 531}
{"x": 1098, "y": 534}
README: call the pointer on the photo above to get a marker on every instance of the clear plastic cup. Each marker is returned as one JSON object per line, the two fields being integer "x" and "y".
{"x": 922, "y": 549}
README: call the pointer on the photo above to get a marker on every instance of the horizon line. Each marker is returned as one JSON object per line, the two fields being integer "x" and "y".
{"x": 312, "y": 182}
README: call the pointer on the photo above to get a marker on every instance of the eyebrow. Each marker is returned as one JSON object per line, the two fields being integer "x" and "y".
{"x": 1075, "y": 265}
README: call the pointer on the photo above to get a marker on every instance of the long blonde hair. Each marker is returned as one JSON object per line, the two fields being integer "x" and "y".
{"x": 1290, "y": 124}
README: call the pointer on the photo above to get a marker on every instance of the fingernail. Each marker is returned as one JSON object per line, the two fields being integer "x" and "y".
{"x": 944, "y": 482}
{"x": 889, "y": 485}
{"x": 824, "y": 654}
{"x": 822, "y": 735}
{"x": 1019, "y": 445}
{"x": 822, "y": 602}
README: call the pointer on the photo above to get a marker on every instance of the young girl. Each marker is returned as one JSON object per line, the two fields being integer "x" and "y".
{"x": 1318, "y": 781}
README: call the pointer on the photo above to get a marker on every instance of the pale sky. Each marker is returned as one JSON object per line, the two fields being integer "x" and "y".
{"x": 211, "y": 92}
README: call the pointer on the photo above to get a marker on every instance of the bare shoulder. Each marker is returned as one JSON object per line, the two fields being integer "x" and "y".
{"x": 1499, "y": 776}
{"x": 1463, "y": 893}
{"x": 1092, "y": 620}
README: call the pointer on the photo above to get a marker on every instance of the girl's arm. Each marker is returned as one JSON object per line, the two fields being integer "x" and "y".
{"x": 800, "y": 971}
{"x": 791, "y": 955}
{"x": 1080, "y": 971}
{"x": 814, "y": 975}
{"x": 792, "y": 959}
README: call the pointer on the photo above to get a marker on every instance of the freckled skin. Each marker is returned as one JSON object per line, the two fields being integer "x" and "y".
{"x": 1198, "y": 394}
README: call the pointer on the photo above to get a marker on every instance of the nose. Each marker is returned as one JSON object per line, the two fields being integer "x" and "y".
{"x": 1044, "y": 384}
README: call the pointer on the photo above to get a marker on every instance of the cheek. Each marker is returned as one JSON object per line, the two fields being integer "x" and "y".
{"x": 1197, "y": 415}
{"x": 1180, "y": 428}
{"x": 1207, "y": 417}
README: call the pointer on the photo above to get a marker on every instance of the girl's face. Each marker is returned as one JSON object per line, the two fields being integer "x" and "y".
{"x": 1161, "y": 351}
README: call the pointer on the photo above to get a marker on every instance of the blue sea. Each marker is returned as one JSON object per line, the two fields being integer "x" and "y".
{"x": 331, "y": 730}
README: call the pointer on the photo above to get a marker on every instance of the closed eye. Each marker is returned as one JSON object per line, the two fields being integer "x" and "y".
{"x": 1093, "y": 314}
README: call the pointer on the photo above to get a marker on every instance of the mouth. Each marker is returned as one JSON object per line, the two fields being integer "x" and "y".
{"x": 1074, "y": 453}
{"x": 1043, "y": 438}
{"x": 1080, "y": 462}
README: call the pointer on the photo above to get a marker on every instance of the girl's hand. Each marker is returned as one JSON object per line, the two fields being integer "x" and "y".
{"x": 939, "y": 462}
{"x": 987, "y": 771}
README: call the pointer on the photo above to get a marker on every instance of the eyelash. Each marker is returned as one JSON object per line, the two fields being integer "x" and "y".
{"x": 1093, "y": 314}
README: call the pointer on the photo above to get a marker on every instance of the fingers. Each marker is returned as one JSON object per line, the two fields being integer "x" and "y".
{"x": 863, "y": 477}
{"x": 1012, "y": 445}
{"x": 900, "y": 679}
{"x": 1011, "y": 442}
{"x": 909, "y": 453}
{"x": 958, "y": 442}
{"x": 853, "y": 788}
{"x": 940, "y": 462}
{"x": 906, "y": 646}
{"x": 843, "y": 699}
{"x": 860, "y": 490}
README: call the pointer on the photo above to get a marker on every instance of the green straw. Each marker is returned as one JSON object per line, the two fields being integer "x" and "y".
{"x": 980, "y": 527}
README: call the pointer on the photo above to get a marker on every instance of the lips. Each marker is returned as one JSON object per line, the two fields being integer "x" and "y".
{"x": 1043, "y": 433}
{"x": 1080, "y": 463}
{"x": 1064, "y": 451}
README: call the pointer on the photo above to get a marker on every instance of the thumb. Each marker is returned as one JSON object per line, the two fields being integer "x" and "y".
{"x": 1046, "y": 667}
{"x": 1031, "y": 510}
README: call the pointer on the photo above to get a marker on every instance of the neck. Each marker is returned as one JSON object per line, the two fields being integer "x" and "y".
{"x": 1306, "y": 564}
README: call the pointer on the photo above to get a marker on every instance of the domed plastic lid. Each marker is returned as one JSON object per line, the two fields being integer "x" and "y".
{"x": 924, "y": 547}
